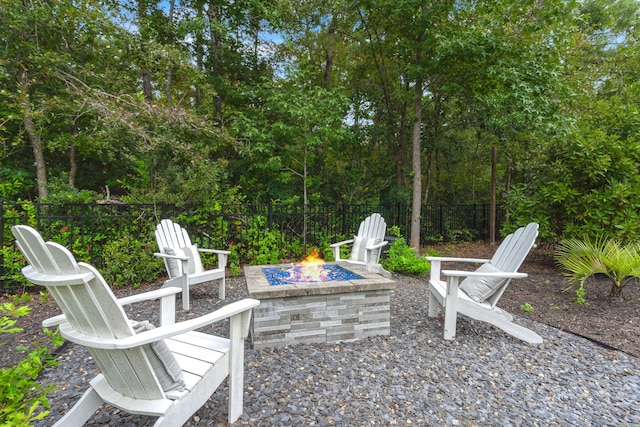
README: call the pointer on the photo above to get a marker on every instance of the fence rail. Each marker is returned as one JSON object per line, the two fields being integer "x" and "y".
{"x": 87, "y": 227}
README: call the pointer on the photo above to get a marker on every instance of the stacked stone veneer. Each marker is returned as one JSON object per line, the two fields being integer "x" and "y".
{"x": 319, "y": 312}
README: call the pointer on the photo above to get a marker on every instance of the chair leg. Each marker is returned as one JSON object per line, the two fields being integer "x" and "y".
{"x": 450, "y": 308}
{"x": 434, "y": 305}
{"x": 185, "y": 293}
{"x": 336, "y": 253}
{"x": 84, "y": 409}
{"x": 236, "y": 365}
{"x": 517, "y": 331}
{"x": 221, "y": 288}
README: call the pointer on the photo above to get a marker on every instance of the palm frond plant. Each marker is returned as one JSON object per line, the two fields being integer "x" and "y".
{"x": 581, "y": 259}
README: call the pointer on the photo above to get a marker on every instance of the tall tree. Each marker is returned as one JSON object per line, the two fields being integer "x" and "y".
{"x": 585, "y": 181}
{"x": 42, "y": 39}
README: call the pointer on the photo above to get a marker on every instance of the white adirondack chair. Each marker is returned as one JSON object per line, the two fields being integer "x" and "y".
{"x": 183, "y": 263}
{"x": 478, "y": 294}
{"x": 168, "y": 372}
{"x": 366, "y": 245}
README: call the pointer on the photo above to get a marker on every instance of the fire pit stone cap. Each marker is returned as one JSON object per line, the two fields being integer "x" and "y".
{"x": 259, "y": 287}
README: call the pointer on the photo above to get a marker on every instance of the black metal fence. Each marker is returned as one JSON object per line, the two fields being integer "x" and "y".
{"x": 86, "y": 227}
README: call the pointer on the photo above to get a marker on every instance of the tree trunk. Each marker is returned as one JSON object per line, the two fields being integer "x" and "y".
{"x": 400, "y": 145}
{"x": 427, "y": 183}
{"x": 146, "y": 84}
{"x": 169, "y": 88}
{"x": 331, "y": 33}
{"x": 73, "y": 166}
{"x": 34, "y": 137}
{"x": 215, "y": 46}
{"x": 327, "y": 66}
{"x": 416, "y": 152}
{"x": 198, "y": 90}
{"x": 492, "y": 207}
{"x": 417, "y": 172}
{"x": 617, "y": 289}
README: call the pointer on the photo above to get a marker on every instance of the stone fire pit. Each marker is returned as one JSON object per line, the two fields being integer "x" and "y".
{"x": 319, "y": 311}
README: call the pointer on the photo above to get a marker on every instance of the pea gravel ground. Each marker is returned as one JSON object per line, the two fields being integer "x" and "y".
{"x": 412, "y": 377}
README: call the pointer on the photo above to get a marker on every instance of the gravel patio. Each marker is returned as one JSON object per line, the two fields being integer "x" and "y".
{"x": 411, "y": 377}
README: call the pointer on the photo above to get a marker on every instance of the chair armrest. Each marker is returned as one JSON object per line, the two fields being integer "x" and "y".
{"x": 214, "y": 251}
{"x": 453, "y": 259}
{"x": 436, "y": 263}
{"x": 222, "y": 256}
{"x": 336, "y": 248}
{"x": 145, "y": 296}
{"x": 501, "y": 274}
{"x": 181, "y": 258}
{"x": 370, "y": 249}
{"x": 377, "y": 245}
{"x": 54, "y": 321}
{"x": 161, "y": 332}
{"x": 344, "y": 242}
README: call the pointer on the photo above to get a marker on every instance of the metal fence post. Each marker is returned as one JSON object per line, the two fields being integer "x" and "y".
{"x": 344, "y": 219}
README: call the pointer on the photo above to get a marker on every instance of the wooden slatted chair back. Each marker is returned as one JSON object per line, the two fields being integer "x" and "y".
{"x": 514, "y": 248}
{"x": 511, "y": 254}
{"x": 91, "y": 309}
{"x": 373, "y": 227}
{"x": 171, "y": 236}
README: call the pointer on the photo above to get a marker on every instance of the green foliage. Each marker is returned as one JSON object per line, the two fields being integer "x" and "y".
{"x": 8, "y": 311}
{"x": 13, "y": 183}
{"x": 295, "y": 250}
{"x": 584, "y": 181}
{"x": 591, "y": 186}
{"x": 22, "y": 397}
{"x": 13, "y": 262}
{"x": 581, "y": 259}
{"x": 461, "y": 235}
{"x": 526, "y": 307}
{"x": 60, "y": 192}
{"x": 262, "y": 246}
{"x": 129, "y": 261}
{"x": 44, "y": 296}
{"x": 180, "y": 162}
{"x": 403, "y": 259}
{"x": 580, "y": 295}
{"x": 233, "y": 260}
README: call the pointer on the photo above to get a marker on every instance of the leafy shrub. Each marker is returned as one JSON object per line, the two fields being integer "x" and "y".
{"x": 22, "y": 397}
{"x": 267, "y": 249}
{"x": 13, "y": 261}
{"x": 262, "y": 246}
{"x": 14, "y": 183}
{"x": 129, "y": 261}
{"x": 461, "y": 235}
{"x": 403, "y": 259}
{"x": 586, "y": 184}
{"x": 60, "y": 192}
{"x": 581, "y": 259}
{"x": 233, "y": 261}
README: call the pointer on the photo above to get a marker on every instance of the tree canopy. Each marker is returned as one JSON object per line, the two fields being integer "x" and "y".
{"x": 213, "y": 101}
